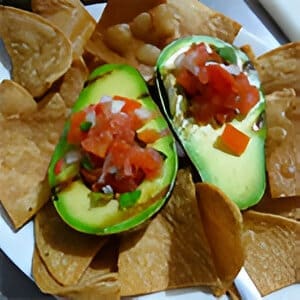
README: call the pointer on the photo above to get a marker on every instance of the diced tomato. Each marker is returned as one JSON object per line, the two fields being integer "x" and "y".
{"x": 98, "y": 145}
{"x": 59, "y": 166}
{"x": 235, "y": 140}
{"x": 147, "y": 159}
{"x": 148, "y": 136}
{"x": 188, "y": 81}
{"x": 130, "y": 104}
{"x": 249, "y": 95}
{"x": 220, "y": 80}
{"x": 75, "y": 134}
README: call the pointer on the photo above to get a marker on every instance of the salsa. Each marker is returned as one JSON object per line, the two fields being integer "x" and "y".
{"x": 113, "y": 158}
{"x": 217, "y": 89}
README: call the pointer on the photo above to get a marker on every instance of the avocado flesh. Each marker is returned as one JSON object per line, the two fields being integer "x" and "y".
{"x": 242, "y": 178}
{"x": 73, "y": 202}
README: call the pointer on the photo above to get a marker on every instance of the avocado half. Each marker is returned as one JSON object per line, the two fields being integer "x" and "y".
{"x": 242, "y": 177}
{"x": 71, "y": 199}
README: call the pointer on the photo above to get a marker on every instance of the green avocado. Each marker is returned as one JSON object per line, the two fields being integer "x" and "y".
{"x": 98, "y": 213}
{"x": 242, "y": 177}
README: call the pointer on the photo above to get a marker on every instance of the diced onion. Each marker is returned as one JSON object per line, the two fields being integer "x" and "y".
{"x": 72, "y": 157}
{"x": 143, "y": 113}
{"x": 107, "y": 189}
{"x": 117, "y": 106}
{"x": 91, "y": 117}
{"x": 105, "y": 99}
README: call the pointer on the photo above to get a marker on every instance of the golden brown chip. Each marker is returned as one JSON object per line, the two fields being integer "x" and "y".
{"x": 73, "y": 82}
{"x": 26, "y": 146}
{"x": 222, "y": 222}
{"x": 103, "y": 285}
{"x": 38, "y": 57}
{"x": 66, "y": 253}
{"x": 270, "y": 243}
{"x": 280, "y": 68}
{"x": 281, "y": 144}
{"x": 69, "y": 16}
{"x": 288, "y": 207}
{"x": 172, "y": 252}
{"x": 135, "y": 32}
{"x": 204, "y": 20}
{"x": 15, "y": 100}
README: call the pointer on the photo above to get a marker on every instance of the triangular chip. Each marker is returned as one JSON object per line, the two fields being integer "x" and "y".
{"x": 281, "y": 144}
{"x": 71, "y": 17}
{"x": 15, "y": 100}
{"x": 280, "y": 68}
{"x": 73, "y": 81}
{"x": 26, "y": 146}
{"x": 134, "y": 32}
{"x": 40, "y": 53}
{"x": 271, "y": 253}
{"x": 66, "y": 253}
{"x": 172, "y": 252}
{"x": 279, "y": 72}
{"x": 99, "y": 280}
{"x": 222, "y": 222}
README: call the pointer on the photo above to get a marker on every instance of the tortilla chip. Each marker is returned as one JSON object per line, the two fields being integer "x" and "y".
{"x": 26, "y": 147}
{"x": 270, "y": 243}
{"x": 205, "y": 21}
{"x": 15, "y": 100}
{"x": 222, "y": 222}
{"x": 288, "y": 207}
{"x": 99, "y": 280}
{"x": 73, "y": 82}
{"x": 172, "y": 252}
{"x": 281, "y": 144}
{"x": 135, "y": 32}
{"x": 38, "y": 57}
{"x": 280, "y": 68}
{"x": 66, "y": 253}
{"x": 71, "y": 17}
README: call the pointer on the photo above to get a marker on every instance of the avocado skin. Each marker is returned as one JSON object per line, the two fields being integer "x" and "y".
{"x": 72, "y": 202}
{"x": 243, "y": 178}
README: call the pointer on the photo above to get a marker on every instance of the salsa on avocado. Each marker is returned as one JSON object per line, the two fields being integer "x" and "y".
{"x": 217, "y": 88}
{"x": 210, "y": 93}
{"x": 112, "y": 159}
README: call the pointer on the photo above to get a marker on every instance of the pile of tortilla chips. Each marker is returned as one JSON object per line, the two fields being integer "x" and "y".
{"x": 200, "y": 238}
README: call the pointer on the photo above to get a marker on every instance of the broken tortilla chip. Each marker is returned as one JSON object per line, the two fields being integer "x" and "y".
{"x": 99, "y": 280}
{"x": 26, "y": 146}
{"x": 279, "y": 72}
{"x": 280, "y": 68}
{"x": 15, "y": 100}
{"x": 71, "y": 17}
{"x": 73, "y": 82}
{"x": 66, "y": 253}
{"x": 281, "y": 160}
{"x": 135, "y": 32}
{"x": 288, "y": 207}
{"x": 271, "y": 253}
{"x": 38, "y": 57}
{"x": 223, "y": 225}
{"x": 172, "y": 252}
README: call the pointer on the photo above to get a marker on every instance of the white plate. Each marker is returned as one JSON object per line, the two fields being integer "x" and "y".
{"x": 11, "y": 242}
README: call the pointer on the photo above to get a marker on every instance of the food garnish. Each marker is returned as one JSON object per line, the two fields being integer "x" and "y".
{"x": 210, "y": 92}
{"x": 104, "y": 177}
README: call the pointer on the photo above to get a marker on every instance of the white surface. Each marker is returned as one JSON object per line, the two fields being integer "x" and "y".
{"x": 19, "y": 246}
{"x": 286, "y": 14}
